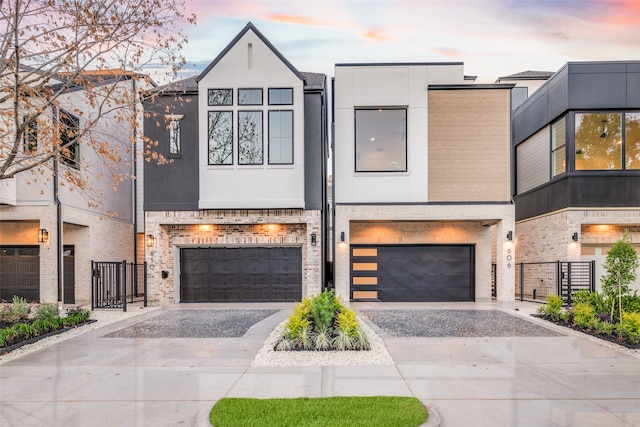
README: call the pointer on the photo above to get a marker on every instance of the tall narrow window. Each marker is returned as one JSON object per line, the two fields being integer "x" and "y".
{"x": 175, "y": 143}
{"x": 250, "y": 137}
{"x": 281, "y": 96}
{"x": 220, "y": 97}
{"x": 280, "y": 137}
{"x": 69, "y": 144}
{"x": 174, "y": 137}
{"x": 558, "y": 147}
{"x": 598, "y": 141}
{"x": 249, "y": 96}
{"x": 381, "y": 140}
{"x": 30, "y": 135}
{"x": 632, "y": 140}
{"x": 220, "y": 138}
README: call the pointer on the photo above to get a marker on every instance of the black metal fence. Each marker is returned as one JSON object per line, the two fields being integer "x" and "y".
{"x": 537, "y": 280}
{"x": 114, "y": 284}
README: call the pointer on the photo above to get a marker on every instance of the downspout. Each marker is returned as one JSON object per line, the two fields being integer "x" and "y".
{"x": 135, "y": 172}
{"x": 58, "y": 204}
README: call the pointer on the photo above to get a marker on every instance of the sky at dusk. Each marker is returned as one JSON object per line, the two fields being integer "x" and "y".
{"x": 492, "y": 37}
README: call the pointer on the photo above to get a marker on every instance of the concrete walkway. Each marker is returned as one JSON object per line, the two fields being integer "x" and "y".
{"x": 90, "y": 380}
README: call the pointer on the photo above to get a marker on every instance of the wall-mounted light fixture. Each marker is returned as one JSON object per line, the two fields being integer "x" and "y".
{"x": 509, "y": 235}
{"x": 43, "y": 235}
{"x": 575, "y": 236}
{"x": 604, "y": 129}
{"x": 151, "y": 241}
{"x": 313, "y": 239}
{"x": 342, "y": 236}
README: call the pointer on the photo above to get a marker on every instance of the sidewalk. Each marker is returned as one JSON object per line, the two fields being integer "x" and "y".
{"x": 503, "y": 381}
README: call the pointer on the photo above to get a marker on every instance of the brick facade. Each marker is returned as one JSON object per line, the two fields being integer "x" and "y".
{"x": 209, "y": 228}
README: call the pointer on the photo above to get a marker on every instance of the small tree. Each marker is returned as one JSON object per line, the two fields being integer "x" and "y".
{"x": 620, "y": 266}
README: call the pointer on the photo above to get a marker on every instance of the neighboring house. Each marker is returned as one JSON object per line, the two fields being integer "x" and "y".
{"x": 422, "y": 184}
{"x": 47, "y": 243}
{"x": 577, "y": 154}
{"x": 238, "y": 214}
{"x": 527, "y": 82}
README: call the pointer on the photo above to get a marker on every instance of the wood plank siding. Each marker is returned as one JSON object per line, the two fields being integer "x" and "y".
{"x": 469, "y": 145}
{"x": 532, "y": 161}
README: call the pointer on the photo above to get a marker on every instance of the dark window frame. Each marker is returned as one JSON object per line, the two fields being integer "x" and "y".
{"x": 240, "y": 101}
{"x": 30, "y": 136}
{"x": 178, "y": 152}
{"x": 623, "y": 166}
{"x": 279, "y": 88}
{"x": 355, "y": 139}
{"x": 210, "y": 104}
{"x": 69, "y": 142}
{"x": 292, "y": 137}
{"x": 209, "y": 138}
{"x": 552, "y": 151}
{"x": 261, "y": 137}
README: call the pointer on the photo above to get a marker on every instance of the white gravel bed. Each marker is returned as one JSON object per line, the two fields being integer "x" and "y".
{"x": 267, "y": 356}
{"x": 101, "y": 317}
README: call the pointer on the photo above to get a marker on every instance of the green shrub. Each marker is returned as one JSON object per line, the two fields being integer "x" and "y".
{"x": 324, "y": 308}
{"x": 553, "y": 307}
{"x": 322, "y": 339}
{"x": 343, "y": 340}
{"x": 305, "y": 339}
{"x": 584, "y": 315}
{"x": 594, "y": 299}
{"x": 629, "y": 327}
{"x": 19, "y": 310}
{"x": 25, "y": 330}
{"x": 44, "y": 325}
{"x": 46, "y": 311}
{"x": 346, "y": 321}
{"x": 606, "y": 328}
{"x": 631, "y": 303}
{"x": 297, "y": 322}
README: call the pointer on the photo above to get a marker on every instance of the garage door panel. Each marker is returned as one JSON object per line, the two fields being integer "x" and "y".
{"x": 242, "y": 274}
{"x": 414, "y": 273}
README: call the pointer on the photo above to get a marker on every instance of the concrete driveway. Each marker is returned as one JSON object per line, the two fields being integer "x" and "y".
{"x": 104, "y": 379}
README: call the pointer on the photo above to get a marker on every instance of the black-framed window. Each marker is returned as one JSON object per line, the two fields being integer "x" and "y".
{"x": 559, "y": 147}
{"x": 632, "y": 139}
{"x": 30, "y": 135}
{"x": 174, "y": 137}
{"x": 250, "y": 142}
{"x": 220, "y": 132}
{"x": 69, "y": 144}
{"x": 381, "y": 140}
{"x": 281, "y": 96}
{"x": 220, "y": 97}
{"x": 598, "y": 141}
{"x": 280, "y": 137}
{"x": 250, "y": 96}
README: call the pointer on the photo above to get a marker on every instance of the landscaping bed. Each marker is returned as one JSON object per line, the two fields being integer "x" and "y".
{"x": 24, "y": 323}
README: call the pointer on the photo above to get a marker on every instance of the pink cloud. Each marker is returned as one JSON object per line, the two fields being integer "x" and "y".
{"x": 292, "y": 19}
{"x": 375, "y": 35}
{"x": 448, "y": 52}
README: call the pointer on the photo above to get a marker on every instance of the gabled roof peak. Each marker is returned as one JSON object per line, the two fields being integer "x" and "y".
{"x": 235, "y": 40}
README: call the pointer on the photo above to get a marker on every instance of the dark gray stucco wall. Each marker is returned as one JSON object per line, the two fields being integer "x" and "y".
{"x": 314, "y": 148}
{"x": 172, "y": 186}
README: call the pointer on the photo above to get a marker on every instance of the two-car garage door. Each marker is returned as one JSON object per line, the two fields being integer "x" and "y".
{"x": 240, "y": 274}
{"x": 412, "y": 272}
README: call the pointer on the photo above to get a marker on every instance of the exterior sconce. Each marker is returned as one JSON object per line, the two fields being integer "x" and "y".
{"x": 510, "y": 235}
{"x": 43, "y": 235}
{"x": 575, "y": 237}
{"x": 342, "y": 236}
{"x": 313, "y": 239}
{"x": 151, "y": 241}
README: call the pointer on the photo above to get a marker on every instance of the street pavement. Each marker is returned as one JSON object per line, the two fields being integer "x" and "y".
{"x": 100, "y": 379}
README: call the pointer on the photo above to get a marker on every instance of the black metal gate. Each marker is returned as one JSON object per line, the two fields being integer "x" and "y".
{"x": 114, "y": 284}
{"x": 537, "y": 280}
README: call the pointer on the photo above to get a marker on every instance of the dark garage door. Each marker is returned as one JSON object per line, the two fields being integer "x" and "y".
{"x": 413, "y": 272}
{"x": 20, "y": 272}
{"x": 240, "y": 274}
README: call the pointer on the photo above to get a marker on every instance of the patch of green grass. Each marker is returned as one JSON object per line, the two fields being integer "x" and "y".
{"x": 380, "y": 411}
